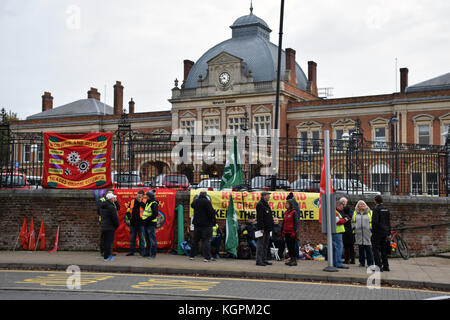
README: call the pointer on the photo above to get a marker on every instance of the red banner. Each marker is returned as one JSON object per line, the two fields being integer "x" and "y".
{"x": 77, "y": 161}
{"x": 165, "y": 218}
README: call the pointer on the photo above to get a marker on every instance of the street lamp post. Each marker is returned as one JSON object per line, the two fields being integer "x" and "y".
{"x": 277, "y": 98}
{"x": 394, "y": 144}
{"x": 446, "y": 134}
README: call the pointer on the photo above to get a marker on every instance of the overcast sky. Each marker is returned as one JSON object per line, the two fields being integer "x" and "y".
{"x": 66, "y": 47}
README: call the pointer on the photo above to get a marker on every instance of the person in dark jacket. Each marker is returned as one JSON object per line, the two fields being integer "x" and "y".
{"x": 249, "y": 232}
{"x": 348, "y": 238}
{"x": 109, "y": 224}
{"x": 149, "y": 221}
{"x": 133, "y": 219}
{"x": 277, "y": 238}
{"x": 264, "y": 224}
{"x": 99, "y": 204}
{"x": 203, "y": 221}
{"x": 381, "y": 231}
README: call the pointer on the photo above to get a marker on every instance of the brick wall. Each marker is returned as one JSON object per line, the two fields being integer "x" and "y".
{"x": 75, "y": 212}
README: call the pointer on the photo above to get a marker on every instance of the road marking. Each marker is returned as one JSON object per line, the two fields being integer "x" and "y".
{"x": 188, "y": 285}
{"x": 239, "y": 279}
{"x": 60, "y": 280}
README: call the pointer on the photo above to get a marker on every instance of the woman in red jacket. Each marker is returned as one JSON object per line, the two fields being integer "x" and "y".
{"x": 290, "y": 227}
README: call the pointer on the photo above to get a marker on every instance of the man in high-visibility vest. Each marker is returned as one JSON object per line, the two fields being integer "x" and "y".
{"x": 337, "y": 236}
{"x": 149, "y": 221}
{"x": 133, "y": 219}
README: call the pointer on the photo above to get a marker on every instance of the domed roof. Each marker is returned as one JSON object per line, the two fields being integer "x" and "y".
{"x": 250, "y": 41}
{"x": 249, "y": 19}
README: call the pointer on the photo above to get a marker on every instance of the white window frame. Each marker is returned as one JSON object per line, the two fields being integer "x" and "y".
{"x": 266, "y": 122}
{"x": 423, "y": 120}
{"x": 211, "y": 128}
{"x": 184, "y": 126}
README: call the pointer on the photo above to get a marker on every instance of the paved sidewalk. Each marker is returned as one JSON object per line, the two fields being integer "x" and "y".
{"x": 424, "y": 272}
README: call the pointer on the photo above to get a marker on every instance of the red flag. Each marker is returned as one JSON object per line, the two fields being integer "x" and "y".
{"x": 24, "y": 235}
{"x": 323, "y": 188}
{"x": 32, "y": 236}
{"x": 55, "y": 247}
{"x": 41, "y": 235}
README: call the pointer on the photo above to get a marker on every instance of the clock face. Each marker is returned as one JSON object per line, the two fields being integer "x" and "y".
{"x": 224, "y": 78}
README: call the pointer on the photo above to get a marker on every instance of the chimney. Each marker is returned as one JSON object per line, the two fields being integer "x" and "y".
{"x": 312, "y": 76}
{"x": 118, "y": 98}
{"x": 290, "y": 66}
{"x": 131, "y": 106}
{"x": 403, "y": 79}
{"x": 187, "y": 67}
{"x": 93, "y": 94}
{"x": 47, "y": 101}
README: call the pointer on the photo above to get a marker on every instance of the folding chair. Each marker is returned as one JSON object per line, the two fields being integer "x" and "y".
{"x": 274, "y": 252}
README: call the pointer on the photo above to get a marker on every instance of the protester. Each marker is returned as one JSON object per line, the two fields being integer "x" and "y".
{"x": 99, "y": 204}
{"x": 362, "y": 226}
{"x": 381, "y": 231}
{"x": 290, "y": 227}
{"x": 277, "y": 238}
{"x": 337, "y": 237}
{"x": 216, "y": 240}
{"x": 109, "y": 224}
{"x": 264, "y": 222}
{"x": 297, "y": 210}
{"x": 149, "y": 221}
{"x": 348, "y": 238}
{"x": 248, "y": 231}
{"x": 203, "y": 221}
{"x": 135, "y": 222}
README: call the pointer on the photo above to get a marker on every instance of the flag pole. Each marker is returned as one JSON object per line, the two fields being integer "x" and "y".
{"x": 330, "y": 267}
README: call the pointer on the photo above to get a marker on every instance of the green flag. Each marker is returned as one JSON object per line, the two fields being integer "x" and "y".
{"x": 231, "y": 239}
{"x": 232, "y": 174}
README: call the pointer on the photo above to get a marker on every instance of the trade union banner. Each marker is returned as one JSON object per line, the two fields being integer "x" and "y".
{"x": 245, "y": 203}
{"x": 77, "y": 161}
{"x": 165, "y": 218}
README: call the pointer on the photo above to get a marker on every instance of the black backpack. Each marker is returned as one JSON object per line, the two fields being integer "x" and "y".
{"x": 244, "y": 251}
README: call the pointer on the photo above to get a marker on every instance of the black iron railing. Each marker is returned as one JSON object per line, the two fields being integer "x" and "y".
{"x": 141, "y": 160}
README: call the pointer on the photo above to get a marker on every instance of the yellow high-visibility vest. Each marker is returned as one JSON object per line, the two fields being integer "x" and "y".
{"x": 340, "y": 228}
{"x": 148, "y": 211}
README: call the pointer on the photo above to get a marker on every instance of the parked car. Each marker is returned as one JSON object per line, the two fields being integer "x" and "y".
{"x": 305, "y": 185}
{"x": 282, "y": 184}
{"x": 171, "y": 180}
{"x": 211, "y": 184}
{"x": 354, "y": 187}
{"x": 14, "y": 180}
{"x": 126, "y": 180}
{"x": 35, "y": 182}
{"x": 258, "y": 183}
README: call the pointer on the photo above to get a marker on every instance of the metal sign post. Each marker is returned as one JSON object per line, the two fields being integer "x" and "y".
{"x": 328, "y": 204}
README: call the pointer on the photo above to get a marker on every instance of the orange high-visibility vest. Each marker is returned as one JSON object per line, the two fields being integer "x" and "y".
{"x": 141, "y": 210}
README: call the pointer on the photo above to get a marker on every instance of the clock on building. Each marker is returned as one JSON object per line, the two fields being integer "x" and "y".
{"x": 224, "y": 78}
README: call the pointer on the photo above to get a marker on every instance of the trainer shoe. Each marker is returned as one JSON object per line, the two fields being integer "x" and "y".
{"x": 207, "y": 260}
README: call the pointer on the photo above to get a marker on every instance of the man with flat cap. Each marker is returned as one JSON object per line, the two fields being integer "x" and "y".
{"x": 264, "y": 224}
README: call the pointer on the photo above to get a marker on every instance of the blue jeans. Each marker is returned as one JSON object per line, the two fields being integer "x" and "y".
{"x": 150, "y": 239}
{"x": 337, "y": 249}
{"x": 215, "y": 242}
{"x": 365, "y": 252}
{"x": 134, "y": 231}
